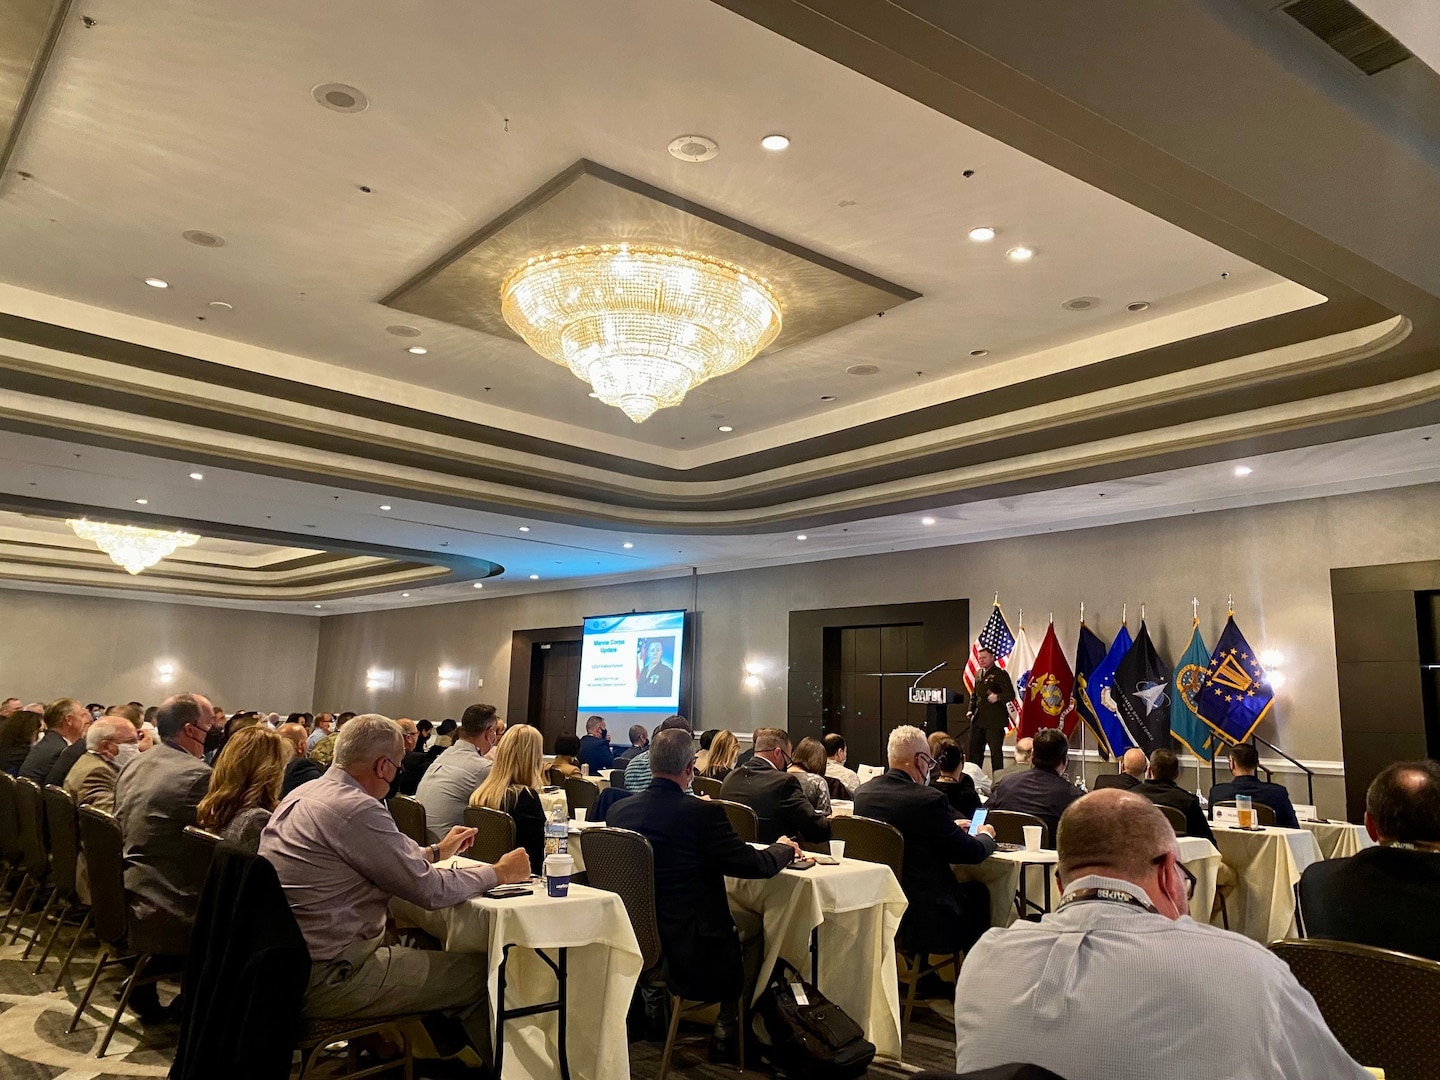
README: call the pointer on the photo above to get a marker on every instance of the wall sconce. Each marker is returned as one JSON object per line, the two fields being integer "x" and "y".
{"x": 1272, "y": 660}
{"x": 452, "y": 678}
{"x": 379, "y": 679}
{"x": 164, "y": 672}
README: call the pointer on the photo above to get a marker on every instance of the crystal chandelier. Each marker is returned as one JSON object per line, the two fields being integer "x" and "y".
{"x": 642, "y": 325}
{"x": 130, "y": 546}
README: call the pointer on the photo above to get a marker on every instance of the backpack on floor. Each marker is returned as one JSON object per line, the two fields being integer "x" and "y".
{"x": 810, "y": 1036}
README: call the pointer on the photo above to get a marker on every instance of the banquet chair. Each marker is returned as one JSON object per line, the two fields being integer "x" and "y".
{"x": 1107, "y": 780}
{"x": 64, "y": 824}
{"x": 555, "y": 777}
{"x": 30, "y": 814}
{"x": 1176, "y": 819}
{"x": 494, "y": 833}
{"x": 622, "y": 862}
{"x": 705, "y": 785}
{"x": 12, "y": 857}
{"x": 409, "y": 815}
{"x": 743, "y": 819}
{"x": 1009, "y": 826}
{"x": 1365, "y": 994}
{"x": 580, "y": 794}
{"x": 1264, "y": 815}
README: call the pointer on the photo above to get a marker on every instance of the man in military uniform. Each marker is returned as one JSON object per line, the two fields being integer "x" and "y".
{"x": 657, "y": 678}
{"x": 989, "y": 715}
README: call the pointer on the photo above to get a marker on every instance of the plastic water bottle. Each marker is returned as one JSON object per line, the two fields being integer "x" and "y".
{"x": 557, "y": 831}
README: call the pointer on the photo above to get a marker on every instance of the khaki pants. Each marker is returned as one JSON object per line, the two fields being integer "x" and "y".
{"x": 371, "y": 979}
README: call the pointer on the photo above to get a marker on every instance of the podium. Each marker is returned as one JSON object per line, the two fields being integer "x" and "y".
{"x": 937, "y": 701}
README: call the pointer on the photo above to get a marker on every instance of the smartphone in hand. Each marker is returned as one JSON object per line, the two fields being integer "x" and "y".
{"x": 977, "y": 821}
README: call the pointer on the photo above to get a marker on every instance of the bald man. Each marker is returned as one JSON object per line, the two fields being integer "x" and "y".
{"x": 1081, "y": 990}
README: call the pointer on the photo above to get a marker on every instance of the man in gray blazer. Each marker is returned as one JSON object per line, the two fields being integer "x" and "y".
{"x": 155, "y": 798}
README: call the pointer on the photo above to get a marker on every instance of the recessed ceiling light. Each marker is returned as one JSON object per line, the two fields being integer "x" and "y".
{"x": 534, "y": 577}
{"x": 1081, "y": 303}
{"x": 317, "y": 607}
{"x": 1243, "y": 470}
{"x": 197, "y": 476}
{"x": 401, "y": 330}
{"x": 417, "y": 350}
{"x": 693, "y": 148}
{"x": 338, "y": 97}
{"x": 220, "y": 305}
{"x": 478, "y": 585}
{"x": 1138, "y": 305}
{"x": 627, "y": 545}
{"x": 201, "y": 238}
{"x": 982, "y": 233}
{"x": 404, "y": 594}
{"x": 157, "y": 283}
{"x": 1019, "y": 253}
{"x": 524, "y": 528}
{"x": 593, "y": 394}
{"x": 979, "y": 352}
{"x": 725, "y": 427}
{"x": 827, "y": 397}
{"x": 775, "y": 142}
{"x": 143, "y": 502}
{"x": 862, "y": 369}
{"x": 927, "y": 521}
{"x": 384, "y": 506}
{"x": 802, "y": 536}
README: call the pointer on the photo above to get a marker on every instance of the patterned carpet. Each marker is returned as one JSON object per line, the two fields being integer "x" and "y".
{"x": 34, "y": 1045}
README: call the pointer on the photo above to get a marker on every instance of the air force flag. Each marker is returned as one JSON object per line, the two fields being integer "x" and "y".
{"x": 1235, "y": 694}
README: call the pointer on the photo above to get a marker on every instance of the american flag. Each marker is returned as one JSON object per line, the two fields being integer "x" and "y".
{"x": 997, "y": 638}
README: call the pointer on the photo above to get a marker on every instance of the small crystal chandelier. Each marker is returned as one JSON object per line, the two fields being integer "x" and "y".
{"x": 642, "y": 325}
{"x": 130, "y": 546}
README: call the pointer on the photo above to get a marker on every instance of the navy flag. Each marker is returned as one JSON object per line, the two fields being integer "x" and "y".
{"x": 1235, "y": 695}
{"x": 1089, "y": 654}
{"x": 1142, "y": 695}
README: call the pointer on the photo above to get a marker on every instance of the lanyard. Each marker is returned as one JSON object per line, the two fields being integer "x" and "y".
{"x": 1109, "y": 896}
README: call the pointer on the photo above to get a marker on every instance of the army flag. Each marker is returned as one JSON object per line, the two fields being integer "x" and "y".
{"x": 1142, "y": 694}
{"x": 994, "y": 636}
{"x": 1089, "y": 653}
{"x": 1021, "y": 660}
{"x": 1185, "y": 722}
{"x": 1235, "y": 694}
{"x": 1049, "y": 693}
{"x": 1100, "y": 690}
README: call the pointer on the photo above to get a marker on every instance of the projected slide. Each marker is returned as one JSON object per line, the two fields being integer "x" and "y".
{"x": 632, "y": 661}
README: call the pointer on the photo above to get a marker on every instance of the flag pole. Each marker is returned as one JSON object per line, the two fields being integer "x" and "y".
{"x": 1195, "y": 617}
{"x": 1082, "y": 612}
{"x": 1124, "y": 611}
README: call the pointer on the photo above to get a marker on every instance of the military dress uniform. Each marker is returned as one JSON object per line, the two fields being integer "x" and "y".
{"x": 988, "y": 720}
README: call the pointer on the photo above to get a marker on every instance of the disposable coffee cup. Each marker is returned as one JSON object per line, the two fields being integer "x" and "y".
{"x": 580, "y": 813}
{"x": 1032, "y": 837}
{"x": 558, "y": 869}
{"x": 837, "y": 850}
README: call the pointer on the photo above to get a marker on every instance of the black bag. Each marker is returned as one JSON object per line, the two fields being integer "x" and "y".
{"x": 816, "y": 1040}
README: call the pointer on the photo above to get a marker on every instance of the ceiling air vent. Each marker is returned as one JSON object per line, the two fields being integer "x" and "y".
{"x": 1350, "y": 32}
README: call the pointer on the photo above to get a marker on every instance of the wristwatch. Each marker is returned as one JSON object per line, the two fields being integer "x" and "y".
{"x": 434, "y": 853}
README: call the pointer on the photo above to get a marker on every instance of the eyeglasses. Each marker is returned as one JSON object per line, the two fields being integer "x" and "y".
{"x": 391, "y": 764}
{"x": 925, "y": 761}
{"x": 1191, "y": 881}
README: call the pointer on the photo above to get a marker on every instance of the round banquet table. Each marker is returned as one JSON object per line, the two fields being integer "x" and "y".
{"x": 1338, "y": 839}
{"x": 1267, "y": 864}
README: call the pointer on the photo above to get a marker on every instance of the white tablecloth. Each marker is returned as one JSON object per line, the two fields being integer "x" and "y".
{"x": 1268, "y": 865}
{"x": 857, "y": 906}
{"x": 604, "y": 964}
{"x": 1338, "y": 839}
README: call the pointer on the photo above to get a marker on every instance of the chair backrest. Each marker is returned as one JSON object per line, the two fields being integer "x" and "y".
{"x": 9, "y": 824}
{"x": 1176, "y": 819}
{"x": 870, "y": 841}
{"x": 494, "y": 833}
{"x": 1363, "y": 992}
{"x": 1265, "y": 815}
{"x": 1107, "y": 780}
{"x": 1009, "y": 826}
{"x": 580, "y": 794}
{"x": 30, "y": 811}
{"x": 705, "y": 785}
{"x": 60, "y": 815}
{"x": 104, "y": 849}
{"x": 409, "y": 815}
{"x": 743, "y": 819}
{"x": 617, "y": 778}
{"x": 556, "y": 777}
{"x": 837, "y": 789}
{"x": 608, "y": 798}
{"x": 622, "y": 862}
{"x": 204, "y": 837}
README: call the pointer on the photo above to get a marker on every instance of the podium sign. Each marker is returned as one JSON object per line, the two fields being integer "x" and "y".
{"x": 927, "y": 695}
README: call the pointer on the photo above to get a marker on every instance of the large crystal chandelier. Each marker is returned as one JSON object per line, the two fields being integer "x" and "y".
{"x": 641, "y": 324}
{"x": 131, "y": 546}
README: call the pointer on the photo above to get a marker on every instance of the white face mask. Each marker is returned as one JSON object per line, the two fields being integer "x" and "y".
{"x": 126, "y": 753}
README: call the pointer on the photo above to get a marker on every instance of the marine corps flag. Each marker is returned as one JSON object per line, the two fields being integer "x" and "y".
{"x": 1049, "y": 695}
{"x": 1235, "y": 694}
{"x": 1185, "y": 723}
{"x": 1089, "y": 654}
{"x": 1142, "y": 695}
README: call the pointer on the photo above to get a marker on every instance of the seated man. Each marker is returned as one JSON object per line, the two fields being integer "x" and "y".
{"x": 637, "y": 773}
{"x": 76, "y": 750}
{"x": 111, "y": 743}
{"x": 324, "y": 725}
{"x": 595, "y": 746}
{"x": 695, "y": 850}
{"x": 1244, "y": 761}
{"x": 1119, "y": 981}
{"x": 65, "y": 723}
{"x": 639, "y": 740}
{"x": 1385, "y": 896}
{"x": 301, "y": 768}
{"x": 836, "y": 754}
{"x": 944, "y": 915}
{"x": 763, "y": 784}
{"x": 1162, "y": 790}
{"x": 1043, "y": 789}
{"x": 340, "y": 858}
{"x": 448, "y": 783}
{"x": 1023, "y": 749}
{"x": 1133, "y": 771}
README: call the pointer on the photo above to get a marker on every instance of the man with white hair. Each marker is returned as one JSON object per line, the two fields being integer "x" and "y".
{"x": 944, "y": 916}
{"x": 341, "y": 858}
{"x": 111, "y": 743}
{"x": 1083, "y": 991}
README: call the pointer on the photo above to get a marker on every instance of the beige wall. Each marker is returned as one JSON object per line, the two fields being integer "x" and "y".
{"x": 106, "y": 650}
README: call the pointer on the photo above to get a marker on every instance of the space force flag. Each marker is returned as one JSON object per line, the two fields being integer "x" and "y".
{"x": 1100, "y": 693}
{"x": 1049, "y": 694}
{"x": 1235, "y": 694}
{"x": 1089, "y": 654}
{"x": 1142, "y": 695}
{"x": 1185, "y": 722}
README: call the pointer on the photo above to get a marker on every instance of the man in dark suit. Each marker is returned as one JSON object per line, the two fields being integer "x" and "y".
{"x": 1244, "y": 761}
{"x": 65, "y": 723}
{"x": 1043, "y": 789}
{"x": 989, "y": 715}
{"x": 695, "y": 849}
{"x": 774, "y": 794}
{"x": 1162, "y": 790}
{"x": 1385, "y": 896}
{"x": 656, "y": 678}
{"x": 944, "y": 916}
{"x": 595, "y": 746}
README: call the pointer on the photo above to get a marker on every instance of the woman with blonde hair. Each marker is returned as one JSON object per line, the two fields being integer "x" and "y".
{"x": 724, "y": 749}
{"x": 512, "y": 787}
{"x": 244, "y": 786}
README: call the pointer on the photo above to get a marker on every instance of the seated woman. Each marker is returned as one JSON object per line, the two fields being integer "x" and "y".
{"x": 18, "y": 732}
{"x": 808, "y": 764}
{"x": 567, "y": 748}
{"x": 702, "y": 759}
{"x": 724, "y": 749}
{"x": 951, "y": 778}
{"x": 244, "y": 787}
{"x": 512, "y": 787}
